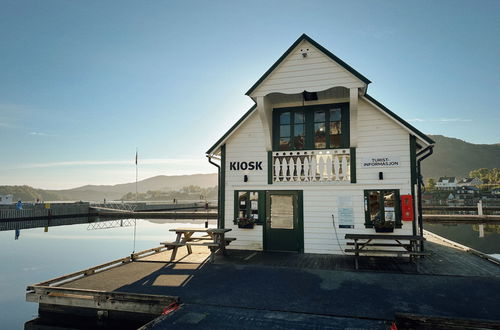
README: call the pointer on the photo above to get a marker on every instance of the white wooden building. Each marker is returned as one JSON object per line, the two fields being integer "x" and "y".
{"x": 447, "y": 183}
{"x": 315, "y": 158}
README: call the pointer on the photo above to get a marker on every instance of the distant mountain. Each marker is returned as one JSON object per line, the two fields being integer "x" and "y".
{"x": 112, "y": 192}
{"x": 455, "y": 157}
{"x": 27, "y": 193}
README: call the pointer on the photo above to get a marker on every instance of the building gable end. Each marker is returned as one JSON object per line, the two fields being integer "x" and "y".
{"x": 309, "y": 45}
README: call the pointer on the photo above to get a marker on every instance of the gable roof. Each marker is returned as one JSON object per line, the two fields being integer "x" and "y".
{"x": 451, "y": 179}
{"x": 320, "y": 48}
{"x": 379, "y": 105}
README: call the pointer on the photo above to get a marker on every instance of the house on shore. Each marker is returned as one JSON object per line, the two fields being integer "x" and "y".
{"x": 446, "y": 183}
{"x": 315, "y": 158}
{"x": 467, "y": 182}
{"x": 6, "y": 199}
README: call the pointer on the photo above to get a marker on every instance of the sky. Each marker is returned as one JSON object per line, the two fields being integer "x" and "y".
{"x": 85, "y": 83}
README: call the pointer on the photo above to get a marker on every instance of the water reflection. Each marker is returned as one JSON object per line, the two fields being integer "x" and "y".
{"x": 46, "y": 249}
{"x": 481, "y": 237}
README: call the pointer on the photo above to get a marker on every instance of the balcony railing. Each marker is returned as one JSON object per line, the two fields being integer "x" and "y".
{"x": 331, "y": 165}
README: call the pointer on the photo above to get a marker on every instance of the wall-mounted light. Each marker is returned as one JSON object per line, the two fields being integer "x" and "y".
{"x": 309, "y": 96}
{"x": 245, "y": 178}
{"x": 381, "y": 175}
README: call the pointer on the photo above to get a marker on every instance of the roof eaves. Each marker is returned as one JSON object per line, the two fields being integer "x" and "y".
{"x": 230, "y": 131}
{"x": 401, "y": 120}
{"x": 321, "y": 48}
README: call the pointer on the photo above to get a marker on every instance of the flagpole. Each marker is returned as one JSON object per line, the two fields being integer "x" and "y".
{"x": 136, "y": 177}
{"x": 136, "y": 198}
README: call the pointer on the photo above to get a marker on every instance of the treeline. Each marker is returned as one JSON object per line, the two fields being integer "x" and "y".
{"x": 185, "y": 193}
{"x": 488, "y": 176}
{"x": 27, "y": 193}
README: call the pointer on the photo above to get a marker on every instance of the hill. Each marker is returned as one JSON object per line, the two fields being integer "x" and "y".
{"x": 27, "y": 193}
{"x": 112, "y": 192}
{"x": 455, "y": 157}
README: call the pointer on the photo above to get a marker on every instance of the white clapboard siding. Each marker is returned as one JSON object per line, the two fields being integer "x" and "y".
{"x": 378, "y": 135}
{"x": 316, "y": 72}
{"x": 246, "y": 144}
{"x": 320, "y": 236}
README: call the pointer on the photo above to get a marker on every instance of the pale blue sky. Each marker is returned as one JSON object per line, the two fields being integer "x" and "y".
{"x": 83, "y": 83}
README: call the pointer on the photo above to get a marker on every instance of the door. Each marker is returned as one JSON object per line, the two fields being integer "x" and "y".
{"x": 283, "y": 229}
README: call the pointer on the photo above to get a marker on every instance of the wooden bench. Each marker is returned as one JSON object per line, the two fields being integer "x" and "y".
{"x": 363, "y": 243}
{"x": 214, "y": 239}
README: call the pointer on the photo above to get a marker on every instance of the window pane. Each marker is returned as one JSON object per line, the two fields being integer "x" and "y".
{"x": 335, "y": 115}
{"x": 335, "y": 127}
{"x": 319, "y": 135}
{"x": 299, "y": 118}
{"x": 284, "y": 130}
{"x": 242, "y": 202}
{"x": 374, "y": 206}
{"x": 299, "y": 142}
{"x": 299, "y": 136}
{"x": 319, "y": 116}
{"x": 281, "y": 212}
{"x": 389, "y": 206}
{"x": 299, "y": 130}
{"x": 335, "y": 141}
{"x": 285, "y": 143}
{"x": 285, "y": 118}
{"x": 254, "y": 205}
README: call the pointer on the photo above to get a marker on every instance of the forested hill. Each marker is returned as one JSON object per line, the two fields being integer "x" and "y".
{"x": 160, "y": 183}
{"x": 27, "y": 193}
{"x": 455, "y": 157}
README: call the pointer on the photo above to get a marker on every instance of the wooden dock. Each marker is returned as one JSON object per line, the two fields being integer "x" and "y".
{"x": 143, "y": 285}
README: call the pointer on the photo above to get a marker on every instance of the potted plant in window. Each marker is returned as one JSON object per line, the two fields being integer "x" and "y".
{"x": 383, "y": 226}
{"x": 246, "y": 223}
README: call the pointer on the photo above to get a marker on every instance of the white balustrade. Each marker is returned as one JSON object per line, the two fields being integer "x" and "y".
{"x": 332, "y": 165}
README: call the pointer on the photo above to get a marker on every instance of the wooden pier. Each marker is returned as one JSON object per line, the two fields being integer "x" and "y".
{"x": 143, "y": 285}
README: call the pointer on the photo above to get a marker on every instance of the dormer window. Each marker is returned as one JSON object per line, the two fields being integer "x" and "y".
{"x": 311, "y": 127}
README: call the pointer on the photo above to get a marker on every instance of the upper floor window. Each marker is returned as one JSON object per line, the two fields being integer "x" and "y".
{"x": 311, "y": 127}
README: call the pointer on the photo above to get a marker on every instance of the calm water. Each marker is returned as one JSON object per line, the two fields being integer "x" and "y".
{"x": 469, "y": 235}
{"x": 37, "y": 255}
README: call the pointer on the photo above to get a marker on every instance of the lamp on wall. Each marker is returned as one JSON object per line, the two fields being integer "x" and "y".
{"x": 309, "y": 96}
{"x": 381, "y": 175}
{"x": 245, "y": 178}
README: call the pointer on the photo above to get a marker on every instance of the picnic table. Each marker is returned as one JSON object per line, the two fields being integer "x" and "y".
{"x": 213, "y": 238}
{"x": 364, "y": 243}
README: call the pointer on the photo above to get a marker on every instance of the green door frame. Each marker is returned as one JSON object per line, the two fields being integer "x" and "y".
{"x": 299, "y": 209}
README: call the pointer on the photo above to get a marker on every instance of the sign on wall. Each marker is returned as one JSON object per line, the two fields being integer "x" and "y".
{"x": 244, "y": 166}
{"x": 381, "y": 161}
{"x": 346, "y": 212}
{"x": 346, "y": 217}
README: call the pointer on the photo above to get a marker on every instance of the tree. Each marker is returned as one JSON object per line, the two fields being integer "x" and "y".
{"x": 431, "y": 184}
{"x": 481, "y": 173}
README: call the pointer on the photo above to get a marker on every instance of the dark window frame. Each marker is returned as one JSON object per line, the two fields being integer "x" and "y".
{"x": 261, "y": 200}
{"x": 309, "y": 111}
{"x": 397, "y": 206}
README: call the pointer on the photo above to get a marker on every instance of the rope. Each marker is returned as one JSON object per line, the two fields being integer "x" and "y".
{"x": 336, "y": 235}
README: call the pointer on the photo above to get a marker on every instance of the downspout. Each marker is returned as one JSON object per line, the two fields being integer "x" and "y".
{"x": 218, "y": 189}
{"x": 421, "y": 155}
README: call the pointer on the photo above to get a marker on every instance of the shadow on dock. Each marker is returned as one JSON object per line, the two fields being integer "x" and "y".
{"x": 286, "y": 290}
